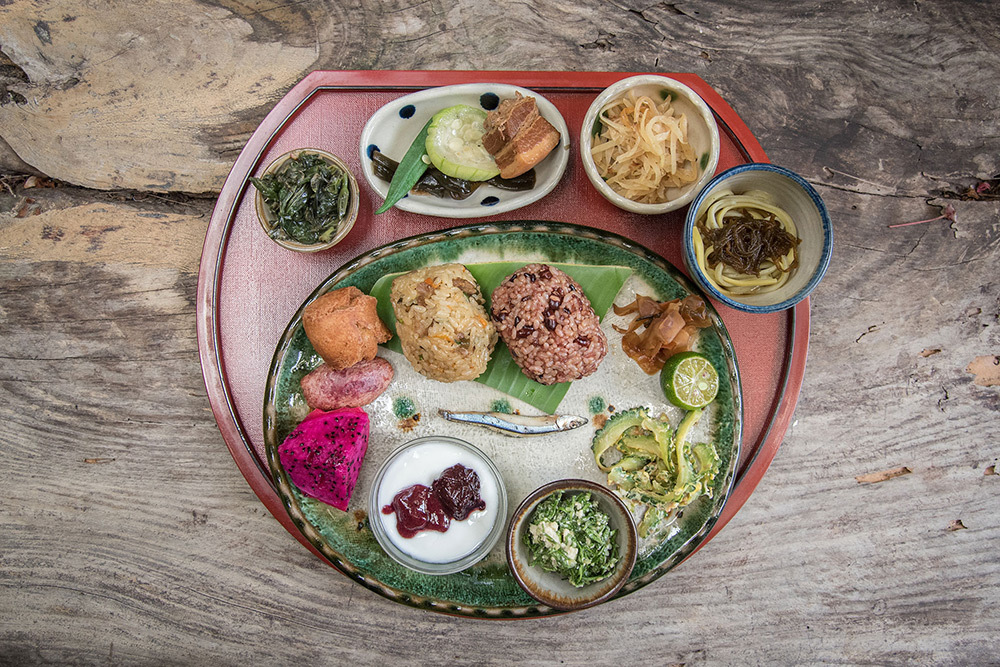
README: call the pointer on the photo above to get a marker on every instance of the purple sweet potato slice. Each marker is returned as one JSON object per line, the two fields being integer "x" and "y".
{"x": 323, "y": 454}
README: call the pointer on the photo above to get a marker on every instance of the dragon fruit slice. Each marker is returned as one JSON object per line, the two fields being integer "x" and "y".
{"x": 323, "y": 454}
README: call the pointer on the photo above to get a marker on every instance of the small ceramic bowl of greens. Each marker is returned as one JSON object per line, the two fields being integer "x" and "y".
{"x": 571, "y": 544}
{"x": 306, "y": 200}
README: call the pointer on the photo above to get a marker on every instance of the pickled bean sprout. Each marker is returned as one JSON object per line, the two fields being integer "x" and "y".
{"x": 642, "y": 149}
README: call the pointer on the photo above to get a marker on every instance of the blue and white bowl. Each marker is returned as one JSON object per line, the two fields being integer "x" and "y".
{"x": 793, "y": 194}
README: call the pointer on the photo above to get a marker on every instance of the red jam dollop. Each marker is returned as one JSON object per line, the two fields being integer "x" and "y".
{"x": 458, "y": 490}
{"x": 417, "y": 508}
{"x": 453, "y": 495}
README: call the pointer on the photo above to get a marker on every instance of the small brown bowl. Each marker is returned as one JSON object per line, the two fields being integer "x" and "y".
{"x": 266, "y": 217}
{"x": 552, "y": 589}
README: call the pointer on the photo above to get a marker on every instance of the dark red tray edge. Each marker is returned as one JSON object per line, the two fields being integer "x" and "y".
{"x": 213, "y": 255}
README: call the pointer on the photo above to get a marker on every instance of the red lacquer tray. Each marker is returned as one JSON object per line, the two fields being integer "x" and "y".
{"x": 249, "y": 287}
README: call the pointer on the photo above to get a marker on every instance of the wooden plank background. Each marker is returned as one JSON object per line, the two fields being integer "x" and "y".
{"x": 127, "y": 534}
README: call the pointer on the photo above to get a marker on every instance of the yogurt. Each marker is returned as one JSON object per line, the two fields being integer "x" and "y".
{"x": 422, "y": 463}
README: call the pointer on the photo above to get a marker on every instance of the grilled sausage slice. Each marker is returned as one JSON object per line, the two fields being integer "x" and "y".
{"x": 351, "y": 387}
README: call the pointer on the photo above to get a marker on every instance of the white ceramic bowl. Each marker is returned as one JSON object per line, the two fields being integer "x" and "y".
{"x": 465, "y": 542}
{"x": 266, "y": 217}
{"x": 549, "y": 587}
{"x": 703, "y": 134}
{"x": 812, "y": 222}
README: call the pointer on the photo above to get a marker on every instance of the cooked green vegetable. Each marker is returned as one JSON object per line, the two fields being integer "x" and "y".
{"x": 455, "y": 144}
{"x": 657, "y": 467}
{"x": 613, "y": 430}
{"x": 308, "y": 196}
{"x": 409, "y": 171}
{"x": 573, "y": 537}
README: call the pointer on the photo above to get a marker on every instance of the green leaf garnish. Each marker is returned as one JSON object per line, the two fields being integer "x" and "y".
{"x": 409, "y": 171}
{"x": 598, "y": 126}
{"x": 601, "y": 284}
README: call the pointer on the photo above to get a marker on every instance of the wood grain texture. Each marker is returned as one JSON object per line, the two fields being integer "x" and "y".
{"x": 128, "y": 536}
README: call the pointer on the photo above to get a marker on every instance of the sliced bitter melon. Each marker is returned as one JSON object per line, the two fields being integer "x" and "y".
{"x": 658, "y": 467}
{"x": 616, "y": 426}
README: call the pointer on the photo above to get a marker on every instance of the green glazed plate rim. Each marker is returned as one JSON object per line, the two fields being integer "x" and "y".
{"x": 642, "y": 259}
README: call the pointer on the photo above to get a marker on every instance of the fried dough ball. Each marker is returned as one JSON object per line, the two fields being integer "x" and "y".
{"x": 344, "y": 328}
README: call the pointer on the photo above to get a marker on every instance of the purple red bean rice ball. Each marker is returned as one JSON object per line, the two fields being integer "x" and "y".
{"x": 548, "y": 324}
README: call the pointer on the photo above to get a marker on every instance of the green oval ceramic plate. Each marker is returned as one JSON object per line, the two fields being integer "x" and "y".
{"x": 488, "y": 589}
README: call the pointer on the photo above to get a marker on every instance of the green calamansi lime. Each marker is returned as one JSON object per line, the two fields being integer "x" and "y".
{"x": 455, "y": 144}
{"x": 689, "y": 380}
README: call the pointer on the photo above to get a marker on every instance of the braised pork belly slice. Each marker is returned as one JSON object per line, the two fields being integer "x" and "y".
{"x": 528, "y": 147}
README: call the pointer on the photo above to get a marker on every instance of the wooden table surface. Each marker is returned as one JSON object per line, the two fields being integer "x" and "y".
{"x": 127, "y": 534}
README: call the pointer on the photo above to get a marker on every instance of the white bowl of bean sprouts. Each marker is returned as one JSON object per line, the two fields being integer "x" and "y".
{"x": 649, "y": 144}
{"x": 758, "y": 238}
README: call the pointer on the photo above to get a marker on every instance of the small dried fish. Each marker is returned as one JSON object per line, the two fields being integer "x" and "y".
{"x": 517, "y": 426}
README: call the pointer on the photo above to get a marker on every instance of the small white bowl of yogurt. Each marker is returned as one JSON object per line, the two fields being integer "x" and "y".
{"x": 438, "y": 505}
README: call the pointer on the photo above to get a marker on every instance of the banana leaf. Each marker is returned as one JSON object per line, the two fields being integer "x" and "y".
{"x": 601, "y": 284}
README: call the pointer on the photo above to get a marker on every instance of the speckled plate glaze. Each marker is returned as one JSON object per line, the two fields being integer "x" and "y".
{"x": 392, "y": 128}
{"x": 488, "y": 589}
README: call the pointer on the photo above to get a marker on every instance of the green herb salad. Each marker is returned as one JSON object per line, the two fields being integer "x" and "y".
{"x": 572, "y": 536}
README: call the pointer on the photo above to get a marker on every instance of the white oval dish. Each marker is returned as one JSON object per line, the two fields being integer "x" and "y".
{"x": 393, "y": 127}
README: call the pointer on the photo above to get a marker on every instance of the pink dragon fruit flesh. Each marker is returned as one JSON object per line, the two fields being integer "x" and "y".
{"x": 323, "y": 454}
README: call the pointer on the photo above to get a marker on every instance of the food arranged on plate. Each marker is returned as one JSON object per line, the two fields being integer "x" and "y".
{"x": 454, "y": 144}
{"x": 659, "y": 330}
{"x": 344, "y": 327}
{"x": 548, "y": 324}
{"x": 435, "y": 183}
{"x": 516, "y": 426}
{"x": 689, "y": 380}
{"x": 518, "y": 136}
{"x": 468, "y": 148}
{"x": 433, "y": 503}
{"x": 601, "y": 283}
{"x": 658, "y": 469}
{"x": 430, "y": 152}
{"x": 324, "y": 453}
{"x": 441, "y": 323}
{"x": 487, "y": 334}
{"x": 329, "y": 389}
